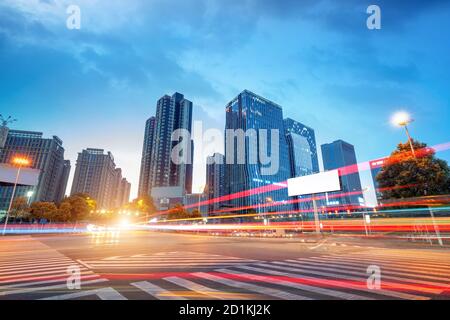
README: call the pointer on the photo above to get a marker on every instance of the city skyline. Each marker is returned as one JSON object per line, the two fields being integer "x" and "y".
{"x": 333, "y": 79}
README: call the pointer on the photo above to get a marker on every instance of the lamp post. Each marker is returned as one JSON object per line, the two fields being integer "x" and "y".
{"x": 19, "y": 162}
{"x": 402, "y": 119}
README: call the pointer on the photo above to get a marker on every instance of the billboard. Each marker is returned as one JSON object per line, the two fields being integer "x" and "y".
{"x": 27, "y": 177}
{"x": 316, "y": 183}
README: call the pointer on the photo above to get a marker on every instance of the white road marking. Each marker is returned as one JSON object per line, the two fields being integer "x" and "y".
{"x": 103, "y": 293}
{"x": 155, "y": 291}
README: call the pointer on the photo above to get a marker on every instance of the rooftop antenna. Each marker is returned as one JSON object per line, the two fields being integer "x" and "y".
{"x": 6, "y": 121}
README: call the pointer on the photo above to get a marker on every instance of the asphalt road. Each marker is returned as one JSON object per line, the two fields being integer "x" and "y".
{"x": 153, "y": 265}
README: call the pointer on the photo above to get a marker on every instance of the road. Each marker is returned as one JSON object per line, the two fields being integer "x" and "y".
{"x": 152, "y": 265}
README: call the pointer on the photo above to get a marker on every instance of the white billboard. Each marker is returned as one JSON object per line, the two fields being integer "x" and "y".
{"x": 28, "y": 177}
{"x": 316, "y": 183}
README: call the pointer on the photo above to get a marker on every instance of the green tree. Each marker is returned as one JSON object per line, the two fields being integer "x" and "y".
{"x": 195, "y": 214}
{"x": 80, "y": 207}
{"x": 43, "y": 210}
{"x": 404, "y": 176}
{"x": 63, "y": 213}
{"x": 20, "y": 209}
{"x": 178, "y": 212}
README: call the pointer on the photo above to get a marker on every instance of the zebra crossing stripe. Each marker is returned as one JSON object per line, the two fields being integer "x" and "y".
{"x": 251, "y": 287}
{"x": 409, "y": 260}
{"x": 339, "y": 283}
{"x": 317, "y": 290}
{"x": 200, "y": 288}
{"x": 386, "y": 275}
{"x": 403, "y": 265}
{"x": 359, "y": 267}
{"x": 59, "y": 286}
{"x": 103, "y": 294}
{"x": 155, "y": 291}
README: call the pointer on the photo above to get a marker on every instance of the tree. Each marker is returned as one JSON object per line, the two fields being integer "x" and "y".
{"x": 80, "y": 207}
{"x": 178, "y": 212}
{"x": 43, "y": 210}
{"x": 64, "y": 212}
{"x": 195, "y": 214}
{"x": 19, "y": 209}
{"x": 403, "y": 176}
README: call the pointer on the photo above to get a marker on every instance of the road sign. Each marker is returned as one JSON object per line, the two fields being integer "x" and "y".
{"x": 316, "y": 183}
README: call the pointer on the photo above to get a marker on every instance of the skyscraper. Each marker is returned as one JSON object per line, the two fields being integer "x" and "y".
{"x": 302, "y": 148}
{"x": 303, "y": 159}
{"x": 172, "y": 113}
{"x": 256, "y": 117}
{"x": 144, "y": 177}
{"x": 215, "y": 179}
{"x": 375, "y": 167}
{"x": 47, "y": 155}
{"x": 339, "y": 154}
{"x": 97, "y": 176}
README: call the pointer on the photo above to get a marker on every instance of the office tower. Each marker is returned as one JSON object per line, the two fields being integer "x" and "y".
{"x": 302, "y": 148}
{"x": 302, "y": 156}
{"x": 46, "y": 155}
{"x": 144, "y": 177}
{"x": 375, "y": 168}
{"x": 125, "y": 188}
{"x": 340, "y": 154}
{"x": 172, "y": 113}
{"x": 215, "y": 179}
{"x": 256, "y": 116}
{"x": 97, "y": 176}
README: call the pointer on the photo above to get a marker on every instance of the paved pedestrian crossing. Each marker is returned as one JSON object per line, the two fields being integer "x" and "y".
{"x": 28, "y": 266}
{"x": 31, "y": 270}
{"x": 332, "y": 276}
{"x": 169, "y": 260}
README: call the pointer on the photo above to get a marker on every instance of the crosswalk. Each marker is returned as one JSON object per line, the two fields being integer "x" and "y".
{"x": 28, "y": 266}
{"x": 168, "y": 260}
{"x": 331, "y": 276}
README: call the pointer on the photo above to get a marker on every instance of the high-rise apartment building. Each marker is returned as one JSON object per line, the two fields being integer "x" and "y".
{"x": 46, "y": 155}
{"x": 341, "y": 154}
{"x": 261, "y": 121}
{"x": 215, "y": 179}
{"x": 146, "y": 160}
{"x": 97, "y": 176}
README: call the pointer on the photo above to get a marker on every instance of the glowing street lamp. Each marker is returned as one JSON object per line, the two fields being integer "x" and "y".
{"x": 402, "y": 119}
{"x": 19, "y": 162}
{"x": 29, "y": 195}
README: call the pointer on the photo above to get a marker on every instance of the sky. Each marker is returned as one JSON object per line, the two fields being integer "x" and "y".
{"x": 96, "y": 86}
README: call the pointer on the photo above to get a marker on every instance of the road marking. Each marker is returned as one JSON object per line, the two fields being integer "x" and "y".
{"x": 347, "y": 284}
{"x": 103, "y": 293}
{"x": 155, "y": 291}
{"x": 251, "y": 287}
{"x": 319, "y": 245}
{"x": 387, "y": 269}
{"x": 200, "y": 288}
{"x": 363, "y": 274}
{"x": 59, "y": 286}
{"x": 304, "y": 287}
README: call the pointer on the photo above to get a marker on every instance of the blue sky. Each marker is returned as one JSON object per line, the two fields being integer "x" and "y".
{"x": 95, "y": 87}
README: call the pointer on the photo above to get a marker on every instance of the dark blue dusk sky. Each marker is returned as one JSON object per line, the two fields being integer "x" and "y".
{"x": 95, "y": 87}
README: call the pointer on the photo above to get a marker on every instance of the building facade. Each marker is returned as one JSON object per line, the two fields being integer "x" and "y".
{"x": 215, "y": 180}
{"x": 172, "y": 113}
{"x": 303, "y": 159}
{"x": 341, "y": 155}
{"x": 46, "y": 155}
{"x": 146, "y": 160}
{"x": 96, "y": 175}
{"x": 261, "y": 120}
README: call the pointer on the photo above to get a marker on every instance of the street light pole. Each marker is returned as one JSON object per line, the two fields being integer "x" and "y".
{"x": 410, "y": 141}
{"x": 12, "y": 199}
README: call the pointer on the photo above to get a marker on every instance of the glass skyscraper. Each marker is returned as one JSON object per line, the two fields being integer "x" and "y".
{"x": 250, "y": 111}
{"x": 301, "y": 141}
{"x": 339, "y": 154}
{"x": 146, "y": 160}
{"x": 215, "y": 179}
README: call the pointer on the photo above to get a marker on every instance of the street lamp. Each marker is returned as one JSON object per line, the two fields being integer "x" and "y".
{"x": 19, "y": 162}
{"x": 402, "y": 119}
{"x": 29, "y": 195}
